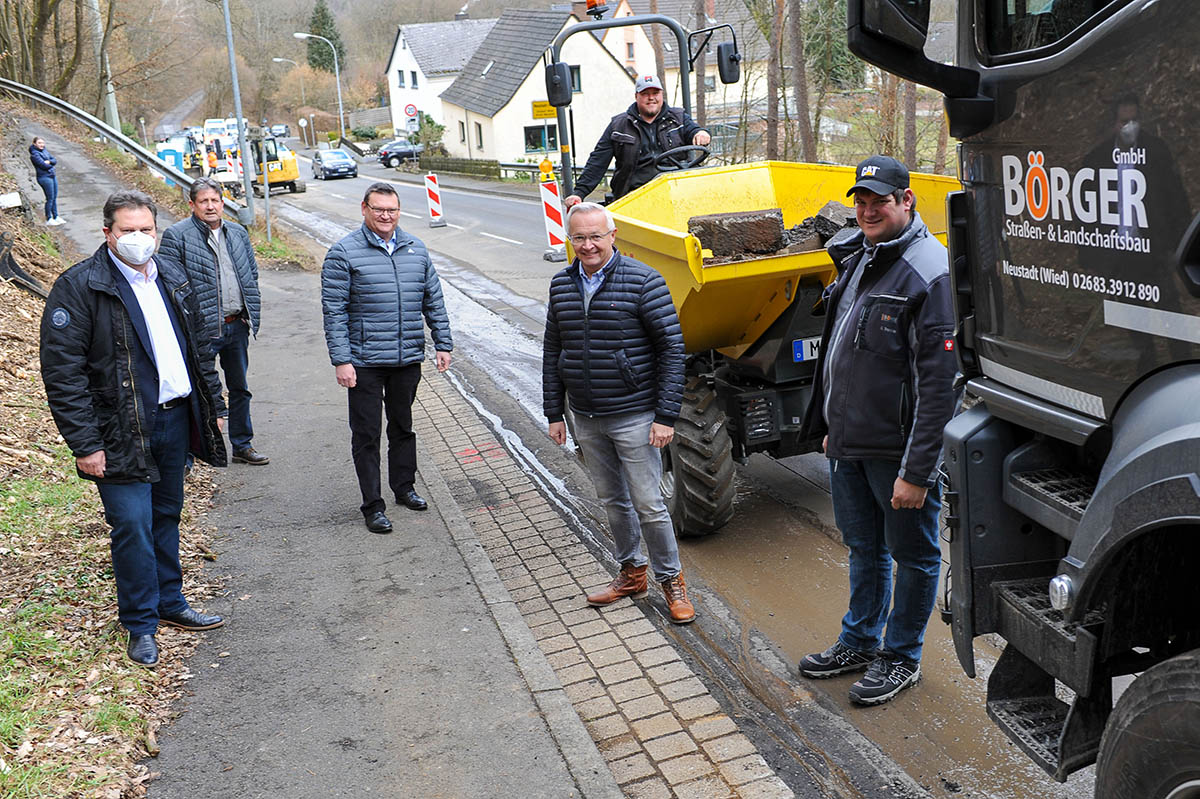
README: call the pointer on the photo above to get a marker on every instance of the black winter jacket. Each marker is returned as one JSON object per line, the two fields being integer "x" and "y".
{"x": 893, "y": 371}
{"x": 624, "y": 354}
{"x": 89, "y": 350}
{"x": 672, "y": 128}
{"x": 186, "y": 243}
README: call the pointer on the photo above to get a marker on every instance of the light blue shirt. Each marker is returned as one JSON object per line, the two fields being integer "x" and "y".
{"x": 389, "y": 245}
{"x": 592, "y": 284}
{"x": 173, "y": 381}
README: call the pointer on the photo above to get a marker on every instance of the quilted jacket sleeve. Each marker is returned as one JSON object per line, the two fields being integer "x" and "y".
{"x": 335, "y": 301}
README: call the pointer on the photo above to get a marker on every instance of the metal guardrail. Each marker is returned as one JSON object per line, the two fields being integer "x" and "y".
{"x": 149, "y": 159}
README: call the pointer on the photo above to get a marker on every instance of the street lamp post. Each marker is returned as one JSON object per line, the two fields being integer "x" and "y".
{"x": 293, "y": 63}
{"x": 247, "y": 215}
{"x": 337, "y": 78}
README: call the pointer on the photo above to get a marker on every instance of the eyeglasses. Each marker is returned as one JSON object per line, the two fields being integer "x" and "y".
{"x": 591, "y": 238}
{"x": 384, "y": 211}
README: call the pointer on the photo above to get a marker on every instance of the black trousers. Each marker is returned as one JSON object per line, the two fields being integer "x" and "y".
{"x": 394, "y": 388}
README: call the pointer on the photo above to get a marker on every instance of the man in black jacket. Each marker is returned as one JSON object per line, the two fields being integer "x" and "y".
{"x": 614, "y": 351}
{"x": 883, "y": 391}
{"x": 132, "y": 389}
{"x": 637, "y": 136}
{"x": 219, "y": 260}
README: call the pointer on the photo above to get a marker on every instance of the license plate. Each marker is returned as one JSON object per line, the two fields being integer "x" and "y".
{"x": 806, "y": 349}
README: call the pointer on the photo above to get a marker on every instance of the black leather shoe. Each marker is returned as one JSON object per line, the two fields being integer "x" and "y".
{"x": 251, "y": 456}
{"x": 192, "y": 620}
{"x": 142, "y": 650}
{"x": 378, "y": 523}
{"x": 412, "y": 500}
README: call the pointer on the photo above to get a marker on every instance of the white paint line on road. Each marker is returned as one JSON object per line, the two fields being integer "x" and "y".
{"x": 335, "y": 194}
{"x": 456, "y": 227}
{"x": 412, "y": 215}
{"x": 494, "y": 236}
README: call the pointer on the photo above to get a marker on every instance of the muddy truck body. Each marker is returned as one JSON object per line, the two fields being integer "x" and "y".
{"x": 1073, "y": 485}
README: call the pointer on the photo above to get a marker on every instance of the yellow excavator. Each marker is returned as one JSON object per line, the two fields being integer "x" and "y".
{"x": 282, "y": 171}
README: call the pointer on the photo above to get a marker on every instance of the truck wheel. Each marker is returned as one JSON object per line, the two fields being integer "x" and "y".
{"x": 698, "y": 464}
{"x": 1151, "y": 746}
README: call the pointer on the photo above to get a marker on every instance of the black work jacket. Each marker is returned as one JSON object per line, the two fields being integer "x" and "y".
{"x": 620, "y": 353}
{"x": 99, "y": 375}
{"x": 671, "y": 128}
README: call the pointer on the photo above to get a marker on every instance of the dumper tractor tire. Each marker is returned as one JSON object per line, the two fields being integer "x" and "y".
{"x": 697, "y": 478}
{"x": 1151, "y": 744}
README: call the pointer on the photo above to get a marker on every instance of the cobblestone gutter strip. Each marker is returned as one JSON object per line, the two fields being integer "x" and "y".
{"x": 657, "y": 727}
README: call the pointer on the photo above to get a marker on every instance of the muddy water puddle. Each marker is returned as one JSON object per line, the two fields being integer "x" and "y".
{"x": 781, "y": 567}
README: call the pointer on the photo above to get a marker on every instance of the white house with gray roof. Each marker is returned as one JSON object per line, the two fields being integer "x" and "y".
{"x": 426, "y": 58}
{"x": 489, "y": 110}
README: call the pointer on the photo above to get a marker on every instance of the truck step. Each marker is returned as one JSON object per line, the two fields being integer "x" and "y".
{"x": 1035, "y": 724}
{"x": 1026, "y": 620}
{"x": 1066, "y": 492}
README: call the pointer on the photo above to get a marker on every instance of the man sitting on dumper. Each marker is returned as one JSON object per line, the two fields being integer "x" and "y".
{"x": 637, "y": 136}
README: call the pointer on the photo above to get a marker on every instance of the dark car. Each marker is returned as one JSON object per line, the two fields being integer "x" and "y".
{"x": 333, "y": 164}
{"x": 398, "y": 150}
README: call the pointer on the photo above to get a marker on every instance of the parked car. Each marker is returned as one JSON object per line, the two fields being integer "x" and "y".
{"x": 333, "y": 164}
{"x": 282, "y": 131}
{"x": 398, "y": 150}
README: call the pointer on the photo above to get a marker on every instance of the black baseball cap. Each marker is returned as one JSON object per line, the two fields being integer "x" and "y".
{"x": 881, "y": 174}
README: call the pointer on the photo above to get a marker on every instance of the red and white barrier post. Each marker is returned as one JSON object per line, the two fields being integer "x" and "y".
{"x": 552, "y": 213}
{"x": 434, "y": 195}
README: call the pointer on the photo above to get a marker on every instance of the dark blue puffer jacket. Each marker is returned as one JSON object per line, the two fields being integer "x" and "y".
{"x": 186, "y": 243}
{"x": 376, "y": 305}
{"x": 624, "y": 354}
{"x": 43, "y": 162}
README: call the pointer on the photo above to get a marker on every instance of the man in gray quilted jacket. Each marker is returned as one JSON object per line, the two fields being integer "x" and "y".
{"x": 219, "y": 261}
{"x": 378, "y": 291}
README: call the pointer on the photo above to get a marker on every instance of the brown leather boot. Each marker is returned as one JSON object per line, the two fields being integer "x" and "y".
{"x": 679, "y": 607}
{"x": 631, "y": 581}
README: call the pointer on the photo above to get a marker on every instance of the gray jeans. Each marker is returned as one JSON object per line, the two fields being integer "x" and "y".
{"x": 626, "y": 472}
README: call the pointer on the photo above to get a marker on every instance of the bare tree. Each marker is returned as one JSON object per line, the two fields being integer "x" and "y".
{"x": 701, "y": 67}
{"x": 910, "y": 124}
{"x": 774, "y": 70}
{"x": 808, "y": 144}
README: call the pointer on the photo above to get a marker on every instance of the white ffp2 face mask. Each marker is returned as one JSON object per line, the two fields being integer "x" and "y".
{"x": 137, "y": 247}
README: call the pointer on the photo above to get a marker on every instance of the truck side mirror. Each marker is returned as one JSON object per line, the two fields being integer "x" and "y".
{"x": 558, "y": 84}
{"x": 905, "y": 22}
{"x": 729, "y": 62}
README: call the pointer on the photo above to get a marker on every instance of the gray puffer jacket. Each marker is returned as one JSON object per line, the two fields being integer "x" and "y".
{"x": 186, "y": 244}
{"x": 376, "y": 305}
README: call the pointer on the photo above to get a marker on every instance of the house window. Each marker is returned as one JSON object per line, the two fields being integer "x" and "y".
{"x": 710, "y": 83}
{"x": 539, "y": 138}
{"x": 413, "y": 74}
{"x": 629, "y": 50}
{"x": 576, "y": 83}
{"x": 462, "y": 131}
{"x": 400, "y": 78}
{"x": 479, "y": 135}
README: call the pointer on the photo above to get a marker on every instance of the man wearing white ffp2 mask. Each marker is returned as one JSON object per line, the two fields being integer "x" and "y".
{"x": 133, "y": 389}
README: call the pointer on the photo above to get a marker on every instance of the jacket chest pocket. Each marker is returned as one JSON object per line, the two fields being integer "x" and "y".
{"x": 883, "y": 324}
{"x": 619, "y": 138}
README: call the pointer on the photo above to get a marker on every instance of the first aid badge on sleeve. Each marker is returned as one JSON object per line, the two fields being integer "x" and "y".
{"x": 60, "y": 318}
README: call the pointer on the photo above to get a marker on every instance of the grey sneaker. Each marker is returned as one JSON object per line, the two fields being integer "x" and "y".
{"x": 887, "y": 676}
{"x": 837, "y": 659}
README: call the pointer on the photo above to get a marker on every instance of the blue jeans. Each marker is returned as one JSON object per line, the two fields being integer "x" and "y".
{"x": 233, "y": 349}
{"x": 876, "y": 534}
{"x": 50, "y": 189}
{"x": 145, "y": 530}
{"x": 626, "y": 472}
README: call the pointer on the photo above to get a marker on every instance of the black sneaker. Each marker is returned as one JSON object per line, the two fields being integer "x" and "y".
{"x": 837, "y": 659}
{"x": 887, "y": 676}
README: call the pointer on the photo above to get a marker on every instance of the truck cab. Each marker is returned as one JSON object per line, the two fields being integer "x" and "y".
{"x": 1073, "y": 482}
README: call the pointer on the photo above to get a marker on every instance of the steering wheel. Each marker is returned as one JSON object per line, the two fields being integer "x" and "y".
{"x": 676, "y": 158}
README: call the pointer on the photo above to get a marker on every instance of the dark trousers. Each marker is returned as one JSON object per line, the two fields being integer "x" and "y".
{"x": 233, "y": 350}
{"x": 394, "y": 388}
{"x": 145, "y": 530}
{"x": 49, "y": 186}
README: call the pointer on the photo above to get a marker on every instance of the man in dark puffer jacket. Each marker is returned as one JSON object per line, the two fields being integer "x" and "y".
{"x": 614, "y": 352}
{"x": 378, "y": 290}
{"x": 219, "y": 259}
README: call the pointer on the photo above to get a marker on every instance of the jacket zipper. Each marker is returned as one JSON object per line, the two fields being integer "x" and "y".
{"x": 137, "y": 417}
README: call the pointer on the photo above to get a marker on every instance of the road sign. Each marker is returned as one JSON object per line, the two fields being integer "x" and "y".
{"x": 410, "y": 110}
{"x": 303, "y": 122}
{"x": 543, "y": 110}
